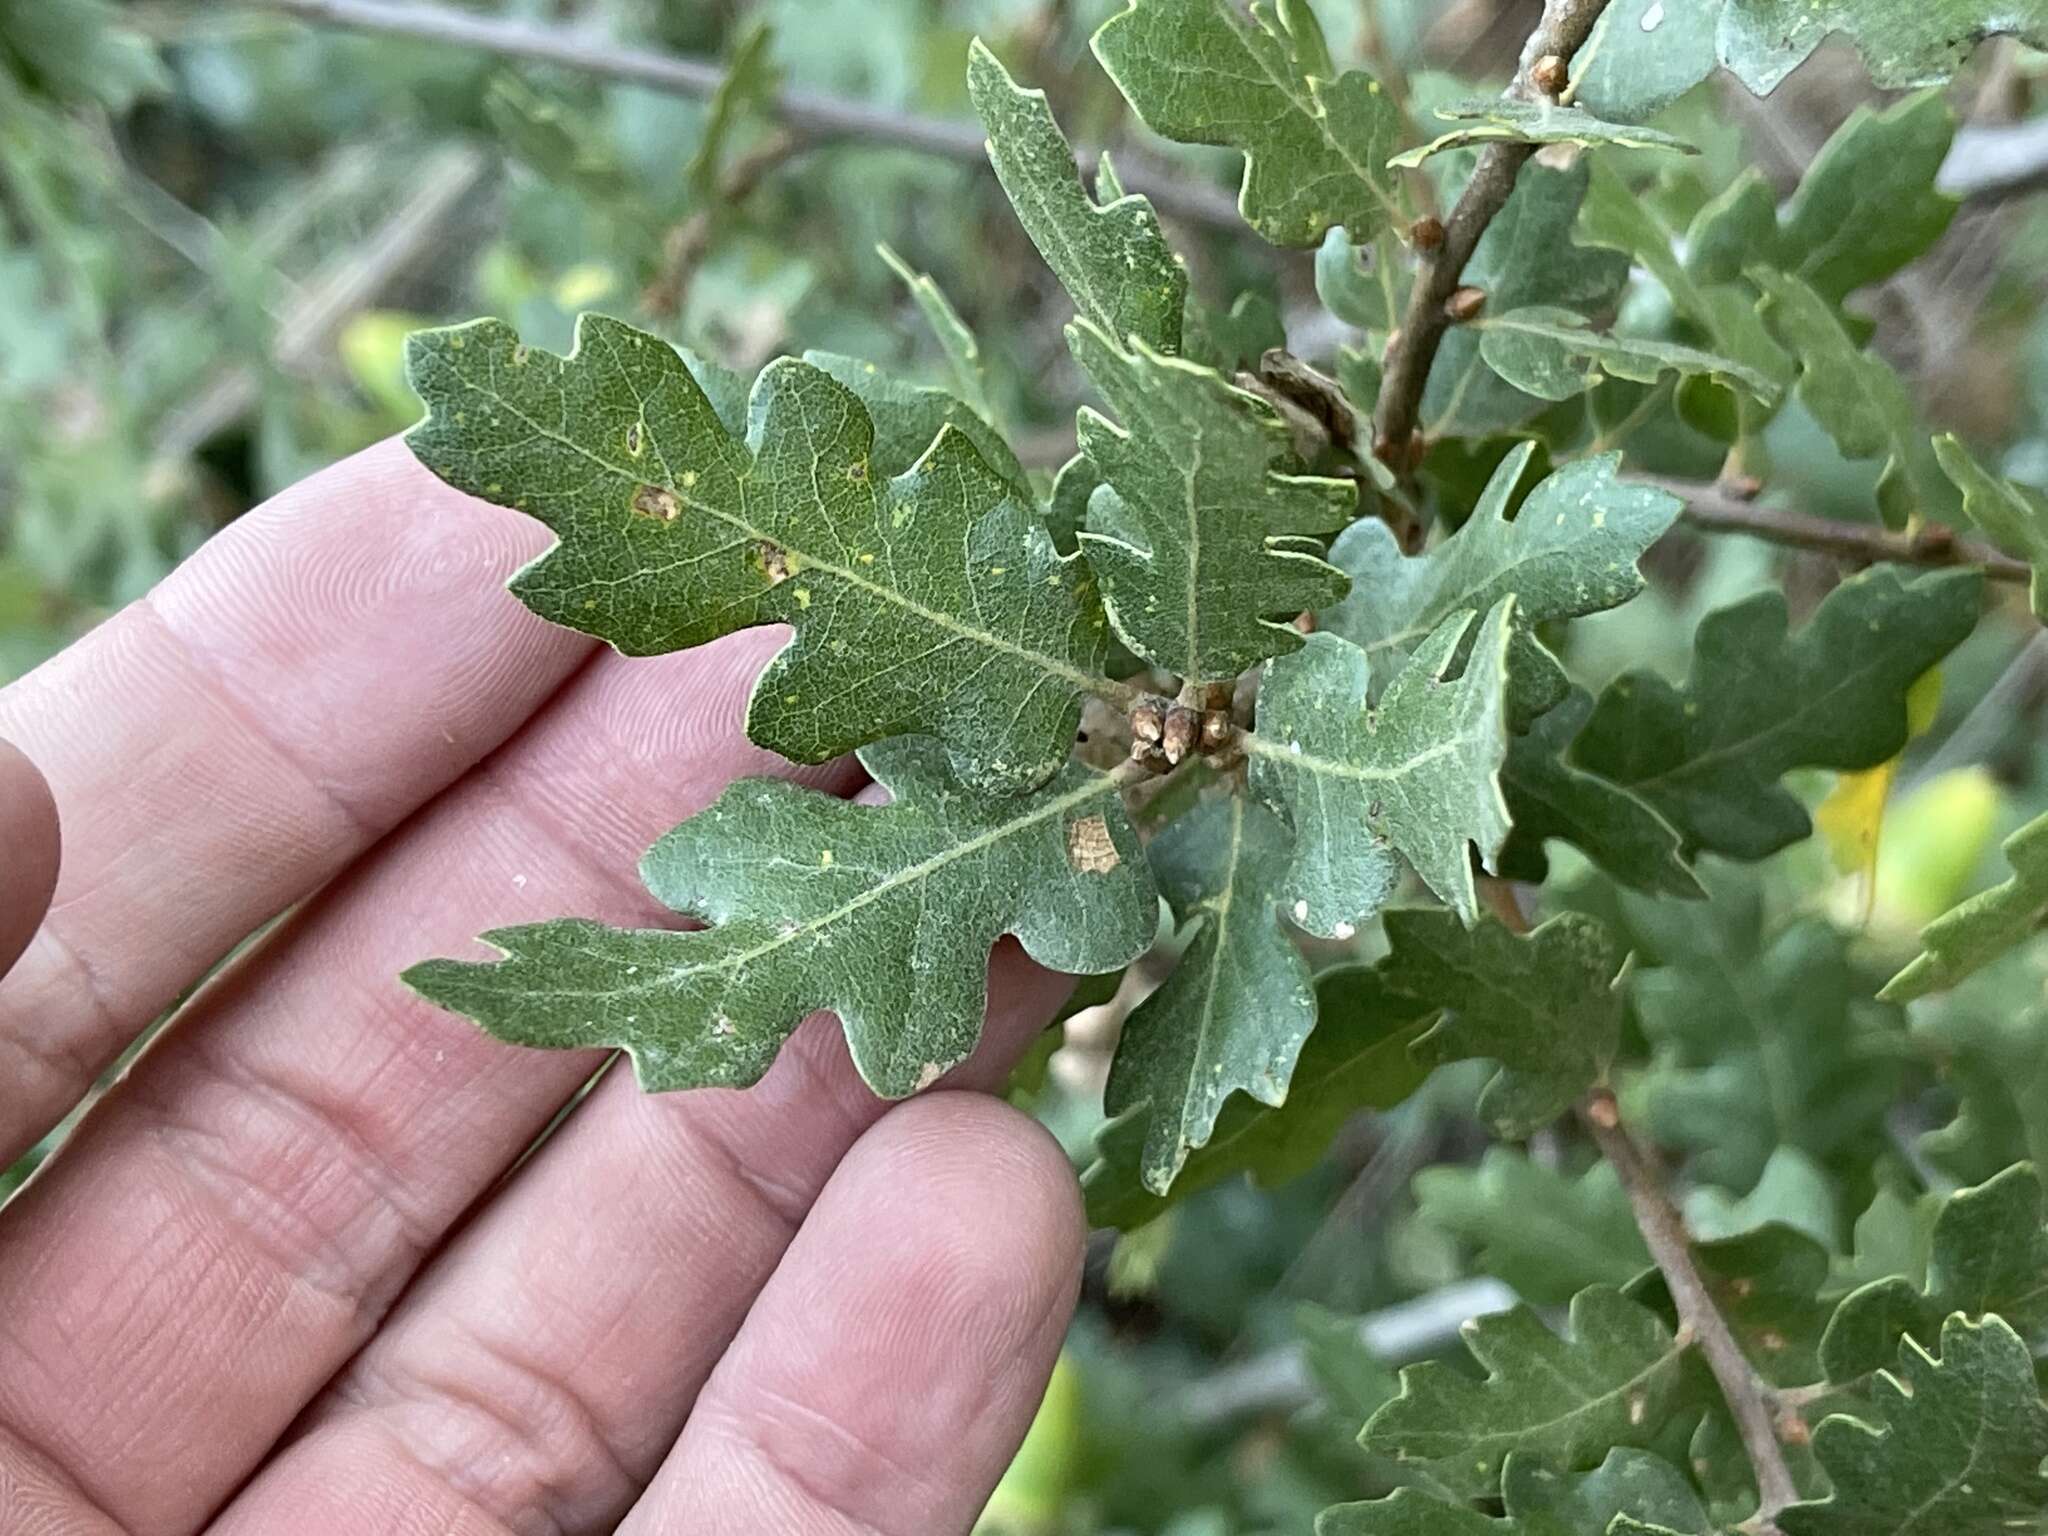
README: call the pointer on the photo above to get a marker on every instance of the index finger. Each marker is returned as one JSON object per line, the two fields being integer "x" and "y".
{"x": 227, "y": 744}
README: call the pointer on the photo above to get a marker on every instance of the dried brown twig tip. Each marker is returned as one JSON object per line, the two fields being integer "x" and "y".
{"x": 1217, "y": 729}
{"x": 1426, "y": 233}
{"x": 1549, "y": 74}
{"x": 1465, "y": 303}
{"x": 1182, "y": 730}
{"x": 1148, "y": 721}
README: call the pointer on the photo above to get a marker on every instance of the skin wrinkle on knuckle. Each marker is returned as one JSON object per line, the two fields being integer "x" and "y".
{"x": 513, "y": 1439}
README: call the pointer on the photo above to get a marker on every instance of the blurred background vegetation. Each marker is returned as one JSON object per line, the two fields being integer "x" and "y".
{"x": 218, "y": 223}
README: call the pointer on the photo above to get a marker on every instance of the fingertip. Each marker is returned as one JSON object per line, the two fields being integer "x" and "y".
{"x": 30, "y": 851}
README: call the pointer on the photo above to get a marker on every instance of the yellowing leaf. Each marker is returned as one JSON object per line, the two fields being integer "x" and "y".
{"x": 1851, "y": 818}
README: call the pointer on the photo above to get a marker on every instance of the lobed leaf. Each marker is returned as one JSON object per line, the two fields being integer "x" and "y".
{"x": 1548, "y": 796}
{"x": 1261, "y": 81}
{"x": 1570, "y": 550}
{"x": 1555, "y": 354}
{"x": 1233, "y": 1015}
{"x": 1111, "y": 258}
{"x": 1969, "y": 937}
{"x": 884, "y": 915}
{"x": 1767, "y": 1284}
{"x": 1644, "y": 54}
{"x": 1962, "y": 1450}
{"x": 2015, "y": 515}
{"x": 1758, "y": 1041}
{"x": 1759, "y": 702}
{"x": 1867, "y": 204}
{"x": 1611, "y": 1381}
{"x": 1989, "y": 1254}
{"x": 1357, "y": 1058}
{"x": 1416, "y": 775}
{"x": 1858, "y": 399}
{"x": 1544, "y": 1234}
{"x": 1992, "y": 1057}
{"x": 1924, "y": 43}
{"x": 672, "y": 532}
{"x": 1544, "y": 1005}
{"x": 1202, "y": 537}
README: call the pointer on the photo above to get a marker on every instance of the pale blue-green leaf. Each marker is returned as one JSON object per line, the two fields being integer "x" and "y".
{"x": 1504, "y": 119}
{"x": 1203, "y": 537}
{"x": 1233, "y": 1015}
{"x": 1570, "y": 550}
{"x": 1415, "y": 775}
{"x": 1921, "y": 43}
{"x": 1525, "y": 257}
{"x": 881, "y": 914}
{"x": 1315, "y": 142}
{"x": 1111, "y": 258}
{"x": 1356, "y": 1059}
{"x": 1557, "y": 354}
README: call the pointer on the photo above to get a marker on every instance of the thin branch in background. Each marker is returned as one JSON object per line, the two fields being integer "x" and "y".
{"x": 1990, "y": 162}
{"x": 1413, "y": 348}
{"x": 686, "y": 243}
{"x": 808, "y": 115}
{"x": 330, "y": 298}
{"x": 1713, "y": 508}
{"x": 1749, "y": 1399}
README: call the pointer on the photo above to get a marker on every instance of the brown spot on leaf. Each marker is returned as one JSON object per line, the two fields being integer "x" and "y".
{"x": 653, "y": 501}
{"x": 1090, "y": 848}
{"x": 774, "y": 561}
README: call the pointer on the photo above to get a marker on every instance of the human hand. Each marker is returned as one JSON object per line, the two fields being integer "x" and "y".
{"x": 290, "y": 1274}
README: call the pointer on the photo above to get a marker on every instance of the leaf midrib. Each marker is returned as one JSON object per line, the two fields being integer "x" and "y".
{"x": 1509, "y": 1438}
{"x": 1051, "y": 665}
{"x": 662, "y": 978}
{"x": 1313, "y": 763}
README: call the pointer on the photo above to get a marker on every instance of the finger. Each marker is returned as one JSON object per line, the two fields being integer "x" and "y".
{"x": 889, "y": 1369}
{"x": 227, "y": 1226}
{"x": 28, "y": 856}
{"x": 230, "y": 742}
{"x": 560, "y": 1341}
